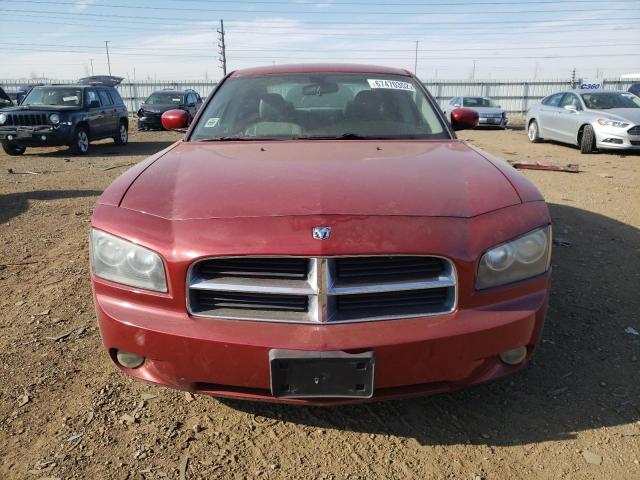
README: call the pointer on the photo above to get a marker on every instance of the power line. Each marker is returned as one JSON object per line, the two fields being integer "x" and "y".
{"x": 318, "y": 22}
{"x": 319, "y": 12}
{"x": 367, "y": 4}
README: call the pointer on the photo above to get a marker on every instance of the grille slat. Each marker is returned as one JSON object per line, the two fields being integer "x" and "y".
{"x": 634, "y": 130}
{"x": 294, "y": 289}
{"x": 283, "y": 268}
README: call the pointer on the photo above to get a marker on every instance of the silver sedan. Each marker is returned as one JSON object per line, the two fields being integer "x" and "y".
{"x": 489, "y": 112}
{"x": 590, "y": 119}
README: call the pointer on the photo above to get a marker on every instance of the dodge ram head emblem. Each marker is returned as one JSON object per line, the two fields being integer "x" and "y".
{"x": 321, "y": 233}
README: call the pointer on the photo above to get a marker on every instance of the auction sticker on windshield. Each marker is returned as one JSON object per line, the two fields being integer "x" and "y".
{"x": 393, "y": 84}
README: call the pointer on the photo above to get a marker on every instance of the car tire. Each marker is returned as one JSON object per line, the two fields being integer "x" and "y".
{"x": 13, "y": 149}
{"x": 533, "y": 132}
{"x": 122, "y": 138}
{"x": 80, "y": 141}
{"x": 588, "y": 140}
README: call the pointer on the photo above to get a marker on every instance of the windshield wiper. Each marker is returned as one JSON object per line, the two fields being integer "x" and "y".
{"x": 344, "y": 136}
{"x": 236, "y": 139}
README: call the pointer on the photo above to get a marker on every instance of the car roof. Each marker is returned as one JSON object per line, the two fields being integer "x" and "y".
{"x": 318, "y": 68}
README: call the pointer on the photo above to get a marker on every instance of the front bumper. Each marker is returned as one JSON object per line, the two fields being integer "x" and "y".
{"x": 230, "y": 358}
{"x": 615, "y": 138}
{"x": 150, "y": 120}
{"x": 492, "y": 122}
{"x": 38, "y": 136}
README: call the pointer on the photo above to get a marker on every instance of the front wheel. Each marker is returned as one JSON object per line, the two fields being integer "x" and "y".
{"x": 588, "y": 140}
{"x": 533, "y": 133}
{"x": 123, "y": 134}
{"x": 80, "y": 142}
{"x": 13, "y": 149}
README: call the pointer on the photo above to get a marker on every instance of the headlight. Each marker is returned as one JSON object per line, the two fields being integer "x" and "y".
{"x": 3, "y": 118}
{"x": 612, "y": 123}
{"x": 54, "y": 118}
{"x": 125, "y": 262}
{"x": 524, "y": 257}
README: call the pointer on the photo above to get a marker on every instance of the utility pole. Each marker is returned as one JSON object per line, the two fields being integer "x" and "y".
{"x": 473, "y": 72}
{"x": 221, "y": 48}
{"x": 573, "y": 78}
{"x": 415, "y": 63}
{"x": 106, "y": 45}
{"x": 91, "y": 60}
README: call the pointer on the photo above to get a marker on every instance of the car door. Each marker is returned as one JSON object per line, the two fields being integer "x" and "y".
{"x": 547, "y": 118}
{"x": 569, "y": 118}
{"x": 95, "y": 113}
{"x": 110, "y": 112}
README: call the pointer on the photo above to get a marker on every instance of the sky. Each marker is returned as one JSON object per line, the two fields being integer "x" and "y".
{"x": 457, "y": 39}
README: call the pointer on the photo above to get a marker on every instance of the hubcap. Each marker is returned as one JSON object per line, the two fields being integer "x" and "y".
{"x": 83, "y": 141}
{"x": 532, "y": 131}
{"x": 123, "y": 133}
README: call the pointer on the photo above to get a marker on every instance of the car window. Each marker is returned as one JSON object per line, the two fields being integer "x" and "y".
{"x": 607, "y": 100}
{"x": 165, "y": 98}
{"x": 323, "y": 105}
{"x": 570, "y": 99}
{"x": 553, "y": 100}
{"x": 191, "y": 99}
{"x": 479, "y": 102}
{"x": 105, "y": 98}
{"x": 91, "y": 96}
{"x": 59, "y": 96}
{"x": 115, "y": 96}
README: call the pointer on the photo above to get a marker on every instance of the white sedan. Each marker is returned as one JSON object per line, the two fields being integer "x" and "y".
{"x": 589, "y": 119}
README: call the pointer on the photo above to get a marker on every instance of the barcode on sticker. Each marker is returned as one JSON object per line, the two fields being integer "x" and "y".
{"x": 393, "y": 84}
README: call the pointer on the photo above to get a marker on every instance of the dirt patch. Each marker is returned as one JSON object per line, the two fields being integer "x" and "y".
{"x": 67, "y": 412}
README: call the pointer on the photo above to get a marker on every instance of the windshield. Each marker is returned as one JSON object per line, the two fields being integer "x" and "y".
{"x": 319, "y": 106}
{"x": 165, "y": 98}
{"x": 478, "y": 102}
{"x": 68, "y": 97}
{"x": 607, "y": 100}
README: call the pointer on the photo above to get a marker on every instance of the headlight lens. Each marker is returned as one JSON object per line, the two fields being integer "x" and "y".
{"x": 54, "y": 118}
{"x": 125, "y": 262}
{"x": 524, "y": 257}
{"x": 3, "y": 118}
{"x": 612, "y": 123}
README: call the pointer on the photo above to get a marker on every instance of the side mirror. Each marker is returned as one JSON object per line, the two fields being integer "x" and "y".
{"x": 456, "y": 104}
{"x": 175, "y": 119}
{"x": 571, "y": 108}
{"x": 464, "y": 118}
{"x": 94, "y": 104}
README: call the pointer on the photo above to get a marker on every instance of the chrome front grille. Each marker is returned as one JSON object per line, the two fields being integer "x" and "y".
{"x": 634, "y": 130}
{"x": 326, "y": 290}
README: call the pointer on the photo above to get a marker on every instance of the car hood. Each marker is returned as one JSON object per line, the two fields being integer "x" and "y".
{"x": 486, "y": 109}
{"x": 287, "y": 178}
{"x": 629, "y": 114}
{"x": 157, "y": 108}
{"x": 40, "y": 108}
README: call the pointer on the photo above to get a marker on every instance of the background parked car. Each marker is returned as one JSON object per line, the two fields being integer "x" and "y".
{"x": 490, "y": 113}
{"x": 150, "y": 112}
{"x": 590, "y": 119}
{"x": 635, "y": 89}
{"x": 73, "y": 115}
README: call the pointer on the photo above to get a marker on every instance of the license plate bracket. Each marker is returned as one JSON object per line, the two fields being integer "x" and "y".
{"x": 335, "y": 374}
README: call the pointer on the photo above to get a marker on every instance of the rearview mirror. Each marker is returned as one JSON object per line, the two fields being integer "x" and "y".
{"x": 320, "y": 88}
{"x": 464, "y": 118}
{"x": 175, "y": 120}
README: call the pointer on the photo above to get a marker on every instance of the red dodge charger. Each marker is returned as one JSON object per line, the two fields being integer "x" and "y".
{"x": 320, "y": 236}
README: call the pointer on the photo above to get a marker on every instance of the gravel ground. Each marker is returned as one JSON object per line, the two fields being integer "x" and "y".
{"x": 67, "y": 412}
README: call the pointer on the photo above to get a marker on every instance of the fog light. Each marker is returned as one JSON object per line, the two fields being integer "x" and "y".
{"x": 43, "y": 137}
{"x": 9, "y": 137}
{"x": 515, "y": 356}
{"x": 129, "y": 360}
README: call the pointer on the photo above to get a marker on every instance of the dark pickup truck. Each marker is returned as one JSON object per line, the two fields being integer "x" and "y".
{"x": 73, "y": 115}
